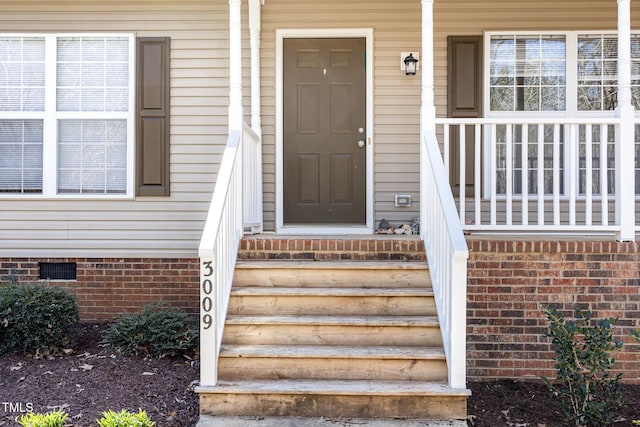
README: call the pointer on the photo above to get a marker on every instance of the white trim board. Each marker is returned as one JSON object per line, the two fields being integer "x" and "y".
{"x": 334, "y": 229}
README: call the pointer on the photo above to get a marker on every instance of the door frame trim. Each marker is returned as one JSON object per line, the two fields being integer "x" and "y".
{"x": 281, "y": 228}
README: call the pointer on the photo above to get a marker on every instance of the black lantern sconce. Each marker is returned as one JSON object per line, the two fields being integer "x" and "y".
{"x": 410, "y": 65}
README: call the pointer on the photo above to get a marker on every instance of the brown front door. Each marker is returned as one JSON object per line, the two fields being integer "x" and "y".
{"x": 324, "y": 131}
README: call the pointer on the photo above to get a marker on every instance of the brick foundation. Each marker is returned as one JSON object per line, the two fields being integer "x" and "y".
{"x": 109, "y": 286}
{"x": 509, "y": 285}
{"x": 511, "y": 282}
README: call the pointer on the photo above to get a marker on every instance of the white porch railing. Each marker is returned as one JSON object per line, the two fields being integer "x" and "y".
{"x": 252, "y": 181}
{"x": 235, "y": 200}
{"x": 520, "y": 175}
{"x": 447, "y": 254}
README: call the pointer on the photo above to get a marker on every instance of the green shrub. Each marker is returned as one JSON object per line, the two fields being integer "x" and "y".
{"x": 10, "y": 279}
{"x": 157, "y": 331}
{"x": 587, "y": 390}
{"x": 125, "y": 418}
{"x": 36, "y": 318}
{"x": 50, "y": 419}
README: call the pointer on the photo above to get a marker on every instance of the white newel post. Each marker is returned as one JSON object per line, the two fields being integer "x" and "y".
{"x": 625, "y": 153}
{"x": 208, "y": 329}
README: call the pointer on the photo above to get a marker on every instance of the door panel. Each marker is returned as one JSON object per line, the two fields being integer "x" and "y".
{"x": 341, "y": 178}
{"x": 324, "y": 110}
{"x": 309, "y": 178}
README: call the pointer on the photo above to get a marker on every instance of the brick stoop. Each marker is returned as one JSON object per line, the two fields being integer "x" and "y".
{"x": 332, "y": 248}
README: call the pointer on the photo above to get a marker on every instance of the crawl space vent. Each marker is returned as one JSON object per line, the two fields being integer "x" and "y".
{"x": 58, "y": 270}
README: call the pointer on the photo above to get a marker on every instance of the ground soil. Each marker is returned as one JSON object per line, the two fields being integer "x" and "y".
{"x": 530, "y": 404}
{"x": 93, "y": 379}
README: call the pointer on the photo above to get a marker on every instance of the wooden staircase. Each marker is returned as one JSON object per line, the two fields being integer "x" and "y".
{"x": 330, "y": 328}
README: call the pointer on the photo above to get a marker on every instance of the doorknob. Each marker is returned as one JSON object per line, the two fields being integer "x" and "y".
{"x": 361, "y": 143}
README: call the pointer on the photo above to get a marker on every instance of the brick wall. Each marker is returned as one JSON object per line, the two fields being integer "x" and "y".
{"x": 511, "y": 282}
{"x": 108, "y": 286}
{"x": 377, "y": 248}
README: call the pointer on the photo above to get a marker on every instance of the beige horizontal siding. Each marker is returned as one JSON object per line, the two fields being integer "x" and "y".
{"x": 146, "y": 227}
{"x": 397, "y": 28}
{"x": 170, "y": 227}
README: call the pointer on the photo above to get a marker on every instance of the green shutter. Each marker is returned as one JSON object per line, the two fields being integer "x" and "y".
{"x": 152, "y": 116}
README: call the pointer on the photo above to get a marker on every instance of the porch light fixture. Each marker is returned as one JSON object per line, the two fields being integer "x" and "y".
{"x": 410, "y": 65}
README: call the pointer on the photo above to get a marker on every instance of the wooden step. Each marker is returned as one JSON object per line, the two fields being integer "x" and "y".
{"x": 326, "y": 301}
{"x": 373, "y": 274}
{"x": 332, "y": 362}
{"x": 332, "y": 338}
{"x": 333, "y": 330}
{"x": 331, "y": 398}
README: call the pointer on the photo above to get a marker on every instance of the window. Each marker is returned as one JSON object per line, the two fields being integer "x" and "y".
{"x": 555, "y": 75}
{"x": 527, "y": 73}
{"x": 22, "y": 102}
{"x": 66, "y": 115}
{"x": 597, "y": 72}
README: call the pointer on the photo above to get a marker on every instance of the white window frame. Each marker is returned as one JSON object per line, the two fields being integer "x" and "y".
{"x": 50, "y": 119}
{"x": 571, "y": 101}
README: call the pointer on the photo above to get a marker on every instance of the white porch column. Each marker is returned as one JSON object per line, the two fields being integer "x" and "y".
{"x": 255, "y": 27}
{"x": 427, "y": 101}
{"x": 456, "y": 314}
{"x": 428, "y": 108}
{"x": 625, "y": 153}
{"x": 235, "y": 65}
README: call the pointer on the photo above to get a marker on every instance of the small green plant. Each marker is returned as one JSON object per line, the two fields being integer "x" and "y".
{"x": 587, "y": 389}
{"x": 157, "y": 331}
{"x": 125, "y": 418}
{"x": 50, "y": 419}
{"x": 36, "y": 319}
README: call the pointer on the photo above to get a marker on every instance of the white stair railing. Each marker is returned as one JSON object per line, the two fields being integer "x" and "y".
{"x": 447, "y": 254}
{"x": 252, "y": 176}
{"x": 234, "y": 201}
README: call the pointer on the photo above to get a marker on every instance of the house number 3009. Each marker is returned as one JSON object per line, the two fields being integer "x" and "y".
{"x": 207, "y": 290}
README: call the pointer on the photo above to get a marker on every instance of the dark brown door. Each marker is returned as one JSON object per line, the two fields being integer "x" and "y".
{"x": 324, "y": 131}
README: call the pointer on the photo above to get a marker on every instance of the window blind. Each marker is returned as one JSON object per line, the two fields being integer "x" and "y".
{"x": 92, "y": 156}
{"x": 527, "y": 73}
{"x": 22, "y": 81}
{"x": 92, "y": 76}
{"x": 21, "y": 156}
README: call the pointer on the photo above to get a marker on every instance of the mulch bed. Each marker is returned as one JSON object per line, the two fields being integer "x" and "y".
{"x": 93, "y": 379}
{"x": 530, "y": 404}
